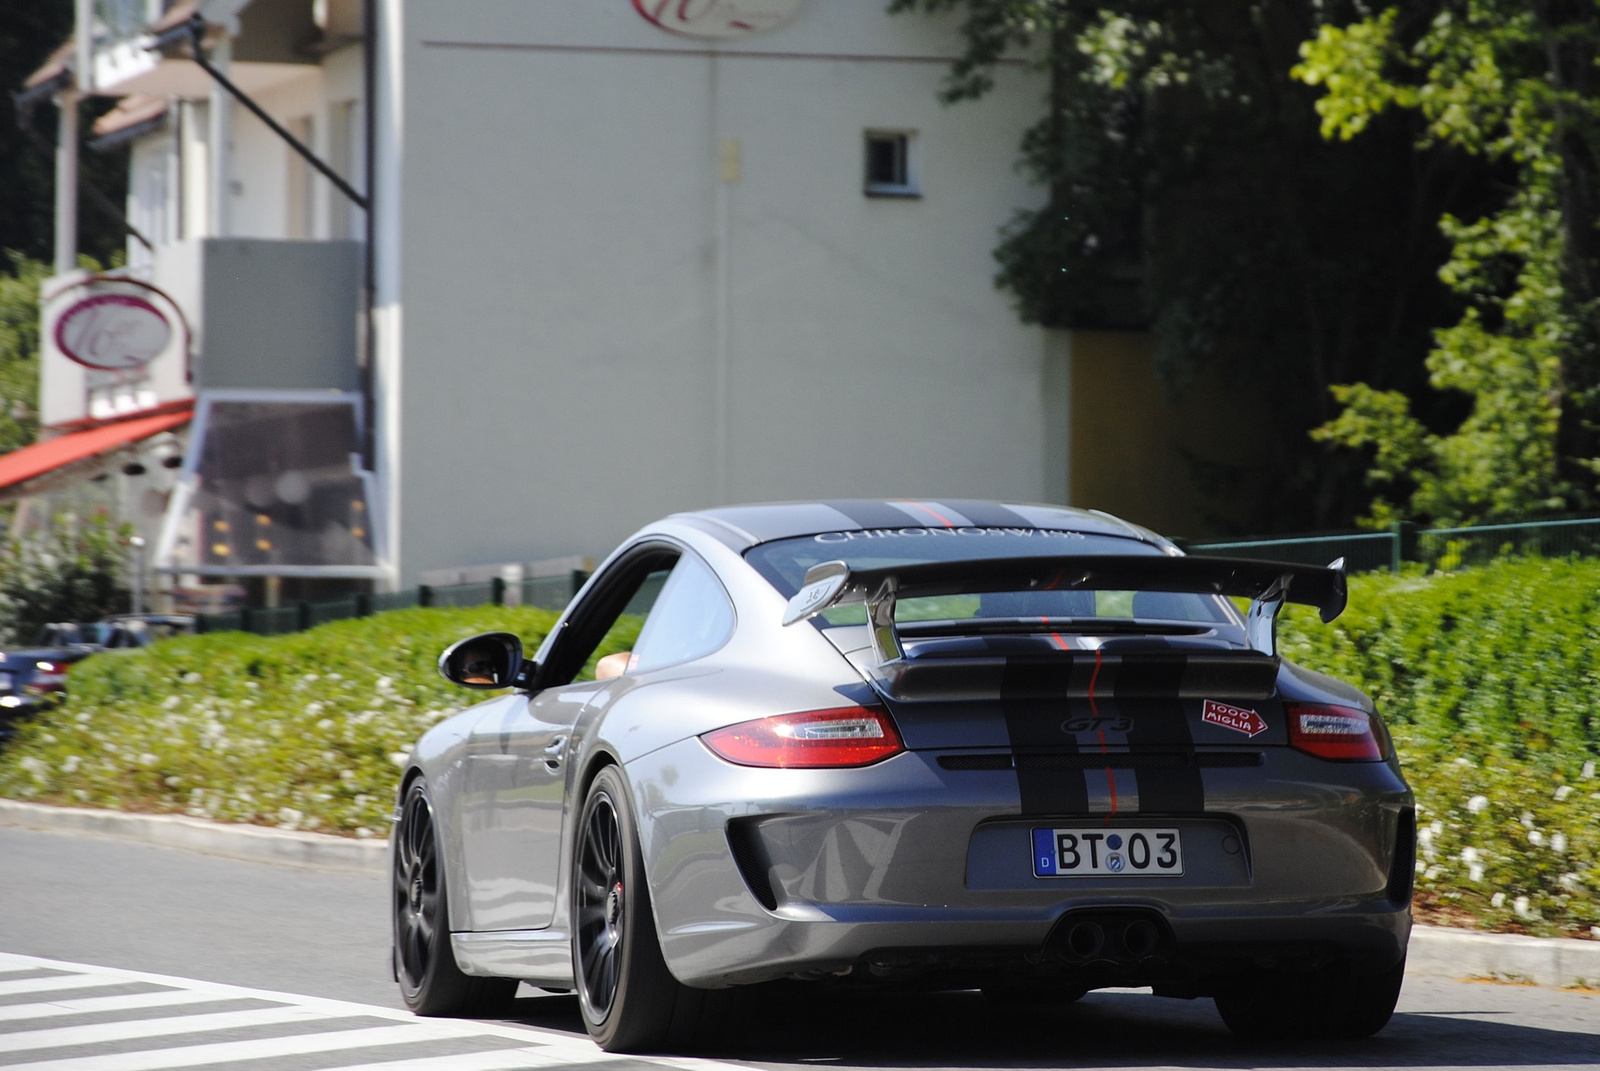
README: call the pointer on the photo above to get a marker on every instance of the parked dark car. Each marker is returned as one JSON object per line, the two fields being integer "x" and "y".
{"x": 33, "y": 676}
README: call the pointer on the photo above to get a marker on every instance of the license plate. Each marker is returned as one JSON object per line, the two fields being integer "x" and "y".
{"x": 1070, "y": 853}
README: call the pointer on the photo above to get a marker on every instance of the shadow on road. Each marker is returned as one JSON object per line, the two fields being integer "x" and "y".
{"x": 800, "y": 1026}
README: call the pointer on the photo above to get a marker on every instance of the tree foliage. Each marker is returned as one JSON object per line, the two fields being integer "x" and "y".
{"x": 1189, "y": 190}
{"x": 1512, "y": 82}
{"x": 74, "y": 572}
{"x": 19, "y": 351}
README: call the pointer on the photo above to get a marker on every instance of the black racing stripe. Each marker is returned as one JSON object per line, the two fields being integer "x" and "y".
{"x": 986, "y": 514}
{"x": 1033, "y": 720}
{"x": 1164, "y": 723}
{"x": 869, "y": 514}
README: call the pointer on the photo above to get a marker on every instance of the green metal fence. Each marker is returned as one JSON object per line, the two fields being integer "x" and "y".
{"x": 1435, "y": 548}
{"x": 545, "y": 592}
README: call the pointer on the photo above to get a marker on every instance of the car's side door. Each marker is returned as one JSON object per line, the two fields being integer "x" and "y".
{"x": 517, "y": 758}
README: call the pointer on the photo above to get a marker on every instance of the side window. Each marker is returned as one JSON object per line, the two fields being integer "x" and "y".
{"x": 691, "y": 618}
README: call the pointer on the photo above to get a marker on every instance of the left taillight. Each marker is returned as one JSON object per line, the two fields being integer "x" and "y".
{"x": 845, "y": 736}
{"x": 1343, "y": 734}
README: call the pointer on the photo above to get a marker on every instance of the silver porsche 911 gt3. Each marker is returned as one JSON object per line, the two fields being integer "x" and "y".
{"x": 1027, "y": 749}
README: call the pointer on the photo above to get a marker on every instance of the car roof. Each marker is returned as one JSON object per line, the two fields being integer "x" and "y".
{"x": 762, "y": 523}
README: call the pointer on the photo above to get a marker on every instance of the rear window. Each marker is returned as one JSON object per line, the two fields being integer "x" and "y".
{"x": 784, "y": 563}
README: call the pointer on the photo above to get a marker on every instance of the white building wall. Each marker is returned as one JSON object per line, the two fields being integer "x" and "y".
{"x": 563, "y": 338}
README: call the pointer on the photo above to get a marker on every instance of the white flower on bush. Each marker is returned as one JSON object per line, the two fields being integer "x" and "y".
{"x": 1432, "y": 872}
{"x": 1563, "y": 792}
{"x": 148, "y": 759}
{"x": 326, "y": 724}
{"x": 311, "y": 678}
{"x": 363, "y": 832}
{"x": 1475, "y": 872}
{"x": 71, "y": 764}
{"x": 289, "y": 818}
{"x": 1478, "y": 804}
{"x": 1526, "y": 819}
{"x": 1558, "y": 842}
{"x": 38, "y": 769}
{"x": 170, "y": 702}
{"x": 1497, "y": 900}
{"x": 385, "y": 683}
{"x": 1536, "y": 839}
{"x": 84, "y": 719}
{"x": 1570, "y": 882}
{"x": 399, "y": 758}
{"x": 313, "y": 709}
{"x": 1588, "y": 769}
{"x": 1524, "y": 908}
{"x": 192, "y": 678}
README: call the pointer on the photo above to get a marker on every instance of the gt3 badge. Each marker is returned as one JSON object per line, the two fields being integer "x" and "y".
{"x": 1238, "y": 719}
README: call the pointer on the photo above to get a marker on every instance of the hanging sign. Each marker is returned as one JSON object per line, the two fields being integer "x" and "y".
{"x": 112, "y": 332}
{"x": 718, "y": 20}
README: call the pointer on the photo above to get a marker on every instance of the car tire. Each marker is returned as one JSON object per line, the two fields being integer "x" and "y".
{"x": 1292, "y": 1009}
{"x": 431, "y": 982}
{"x": 630, "y": 1002}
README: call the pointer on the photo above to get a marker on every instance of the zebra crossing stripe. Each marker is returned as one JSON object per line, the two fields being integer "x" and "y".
{"x": 336, "y": 1026}
{"x": 87, "y": 1005}
{"x": 153, "y": 1028}
{"x": 52, "y": 984}
{"x": 224, "y": 1053}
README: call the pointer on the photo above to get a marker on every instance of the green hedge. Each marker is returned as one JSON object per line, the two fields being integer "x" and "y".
{"x": 301, "y": 731}
{"x": 1488, "y": 678}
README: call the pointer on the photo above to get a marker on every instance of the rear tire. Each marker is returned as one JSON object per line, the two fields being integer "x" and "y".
{"x": 629, "y": 1000}
{"x": 431, "y": 982}
{"x": 1272, "y": 1007}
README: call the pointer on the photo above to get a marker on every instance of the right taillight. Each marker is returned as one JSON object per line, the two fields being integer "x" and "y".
{"x": 1343, "y": 734}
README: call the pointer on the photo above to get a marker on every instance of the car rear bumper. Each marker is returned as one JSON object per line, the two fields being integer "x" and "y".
{"x": 908, "y": 870}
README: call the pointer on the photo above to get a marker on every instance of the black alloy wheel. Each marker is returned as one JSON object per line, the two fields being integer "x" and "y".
{"x": 601, "y": 904}
{"x": 629, "y": 1000}
{"x": 416, "y": 890}
{"x": 431, "y": 982}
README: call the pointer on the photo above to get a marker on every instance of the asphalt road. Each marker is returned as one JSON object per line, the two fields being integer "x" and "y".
{"x": 305, "y": 935}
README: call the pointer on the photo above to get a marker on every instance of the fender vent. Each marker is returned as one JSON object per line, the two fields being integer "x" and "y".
{"x": 745, "y": 843}
{"x": 1403, "y": 870}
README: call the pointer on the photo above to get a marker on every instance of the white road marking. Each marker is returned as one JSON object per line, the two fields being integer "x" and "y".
{"x": 153, "y": 1028}
{"x": 538, "y": 1049}
{"x": 223, "y": 1053}
{"x": 53, "y": 984}
{"x": 85, "y": 1005}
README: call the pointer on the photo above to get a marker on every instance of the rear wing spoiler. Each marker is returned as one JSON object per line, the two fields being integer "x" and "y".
{"x": 1268, "y": 585}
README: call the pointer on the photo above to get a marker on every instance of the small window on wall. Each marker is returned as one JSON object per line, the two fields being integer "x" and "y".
{"x": 891, "y": 164}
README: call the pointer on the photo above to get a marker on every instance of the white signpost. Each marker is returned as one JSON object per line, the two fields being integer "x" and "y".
{"x": 718, "y": 20}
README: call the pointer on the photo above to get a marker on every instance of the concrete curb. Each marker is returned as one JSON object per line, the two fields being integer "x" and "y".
{"x": 1435, "y": 950}
{"x": 1505, "y": 957}
{"x": 252, "y": 843}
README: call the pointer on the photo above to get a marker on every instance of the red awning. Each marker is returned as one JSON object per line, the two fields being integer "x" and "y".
{"x": 31, "y": 462}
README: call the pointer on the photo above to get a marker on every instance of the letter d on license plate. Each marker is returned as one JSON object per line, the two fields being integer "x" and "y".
{"x": 1139, "y": 853}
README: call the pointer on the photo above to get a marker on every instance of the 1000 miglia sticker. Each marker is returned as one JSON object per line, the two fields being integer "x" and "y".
{"x": 1238, "y": 719}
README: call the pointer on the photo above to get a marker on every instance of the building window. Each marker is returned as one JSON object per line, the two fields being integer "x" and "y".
{"x": 891, "y": 169}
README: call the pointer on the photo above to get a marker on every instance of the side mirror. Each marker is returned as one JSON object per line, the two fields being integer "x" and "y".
{"x": 489, "y": 660}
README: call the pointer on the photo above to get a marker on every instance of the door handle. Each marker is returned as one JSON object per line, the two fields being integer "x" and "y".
{"x": 553, "y": 752}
